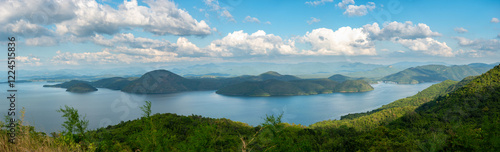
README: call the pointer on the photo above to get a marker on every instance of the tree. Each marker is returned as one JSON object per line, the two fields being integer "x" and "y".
{"x": 146, "y": 109}
{"x": 73, "y": 123}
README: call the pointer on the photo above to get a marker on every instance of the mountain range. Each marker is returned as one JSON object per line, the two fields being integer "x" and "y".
{"x": 433, "y": 73}
{"x": 273, "y": 87}
{"x": 164, "y": 81}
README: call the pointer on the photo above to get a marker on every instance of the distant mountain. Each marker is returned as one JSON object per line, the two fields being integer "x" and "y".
{"x": 115, "y": 83}
{"x": 432, "y": 73}
{"x": 377, "y": 72}
{"x": 274, "y": 87}
{"x": 81, "y": 88}
{"x": 67, "y": 84}
{"x": 163, "y": 81}
{"x": 158, "y": 81}
{"x": 354, "y": 86}
{"x": 255, "y": 68}
{"x": 340, "y": 78}
{"x": 270, "y": 75}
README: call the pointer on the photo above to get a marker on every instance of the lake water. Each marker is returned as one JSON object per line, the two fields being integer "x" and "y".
{"x": 109, "y": 107}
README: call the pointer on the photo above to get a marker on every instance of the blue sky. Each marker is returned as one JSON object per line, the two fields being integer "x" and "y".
{"x": 86, "y": 33}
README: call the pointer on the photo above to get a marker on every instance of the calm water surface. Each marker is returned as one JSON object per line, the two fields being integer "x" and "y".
{"x": 108, "y": 107}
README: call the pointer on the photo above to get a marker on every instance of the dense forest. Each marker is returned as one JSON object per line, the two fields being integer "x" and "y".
{"x": 449, "y": 116}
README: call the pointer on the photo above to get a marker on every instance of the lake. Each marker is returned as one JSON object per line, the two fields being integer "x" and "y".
{"x": 108, "y": 107}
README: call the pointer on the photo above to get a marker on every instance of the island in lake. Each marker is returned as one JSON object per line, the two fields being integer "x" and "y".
{"x": 266, "y": 84}
{"x": 274, "y": 87}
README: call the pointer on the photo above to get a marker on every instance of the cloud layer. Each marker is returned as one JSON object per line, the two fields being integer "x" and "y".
{"x": 344, "y": 41}
{"x": 84, "y": 18}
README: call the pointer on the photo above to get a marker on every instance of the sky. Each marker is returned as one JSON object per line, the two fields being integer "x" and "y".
{"x": 58, "y": 34}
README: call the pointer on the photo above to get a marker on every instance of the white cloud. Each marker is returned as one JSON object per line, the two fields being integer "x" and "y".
{"x": 460, "y": 30}
{"x": 268, "y": 23}
{"x": 469, "y": 53}
{"x": 355, "y": 10}
{"x": 399, "y": 30}
{"x": 494, "y": 20}
{"x": 29, "y": 60}
{"x": 343, "y": 4}
{"x": 43, "y": 12}
{"x": 344, "y": 41}
{"x": 359, "y": 10}
{"x": 320, "y": 2}
{"x": 115, "y": 56}
{"x": 480, "y": 44}
{"x": 162, "y": 17}
{"x": 222, "y": 11}
{"x": 75, "y": 20}
{"x": 427, "y": 46}
{"x": 240, "y": 43}
{"x": 126, "y": 48}
{"x": 130, "y": 43}
{"x": 313, "y": 20}
{"x": 41, "y": 41}
{"x": 25, "y": 29}
{"x": 251, "y": 20}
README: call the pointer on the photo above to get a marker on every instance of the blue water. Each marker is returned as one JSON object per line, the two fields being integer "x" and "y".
{"x": 109, "y": 107}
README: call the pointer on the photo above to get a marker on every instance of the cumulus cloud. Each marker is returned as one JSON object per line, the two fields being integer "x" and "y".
{"x": 460, "y": 30}
{"x": 399, "y": 30}
{"x": 251, "y": 20}
{"x": 480, "y": 44}
{"x": 127, "y": 48}
{"x": 313, "y": 20}
{"x": 162, "y": 17}
{"x": 79, "y": 19}
{"x": 494, "y": 20}
{"x": 24, "y": 28}
{"x": 320, "y": 2}
{"x": 115, "y": 56}
{"x": 427, "y": 46}
{"x": 240, "y": 43}
{"x": 129, "y": 43}
{"x": 469, "y": 53}
{"x": 359, "y": 10}
{"x": 343, "y": 4}
{"x": 43, "y": 12}
{"x": 344, "y": 41}
{"x": 355, "y": 10}
{"x": 41, "y": 41}
{"x": 222, "y": 11}
{"x": 29, "y": 60}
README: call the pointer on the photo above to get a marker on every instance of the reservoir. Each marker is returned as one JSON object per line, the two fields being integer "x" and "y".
{"x": 108, "y": 107}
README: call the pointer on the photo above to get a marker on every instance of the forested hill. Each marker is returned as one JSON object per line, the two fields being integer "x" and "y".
{"x": 274, "y": 87}
{"x": 433, "y": 73}
{"x": 163, "y": 81}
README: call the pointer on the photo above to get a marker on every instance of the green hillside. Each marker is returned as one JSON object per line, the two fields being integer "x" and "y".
{"x": 340, "y": 78}
{"x": 353, "y": 86}
{"x": 432, "y": 73}
{"x": 115, "y": 83}
{"x": 159, "y": 81}
{"x": 81, "y": 88}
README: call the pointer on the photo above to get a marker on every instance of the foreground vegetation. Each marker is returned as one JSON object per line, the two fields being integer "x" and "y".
{"x": 449, "y": 116}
